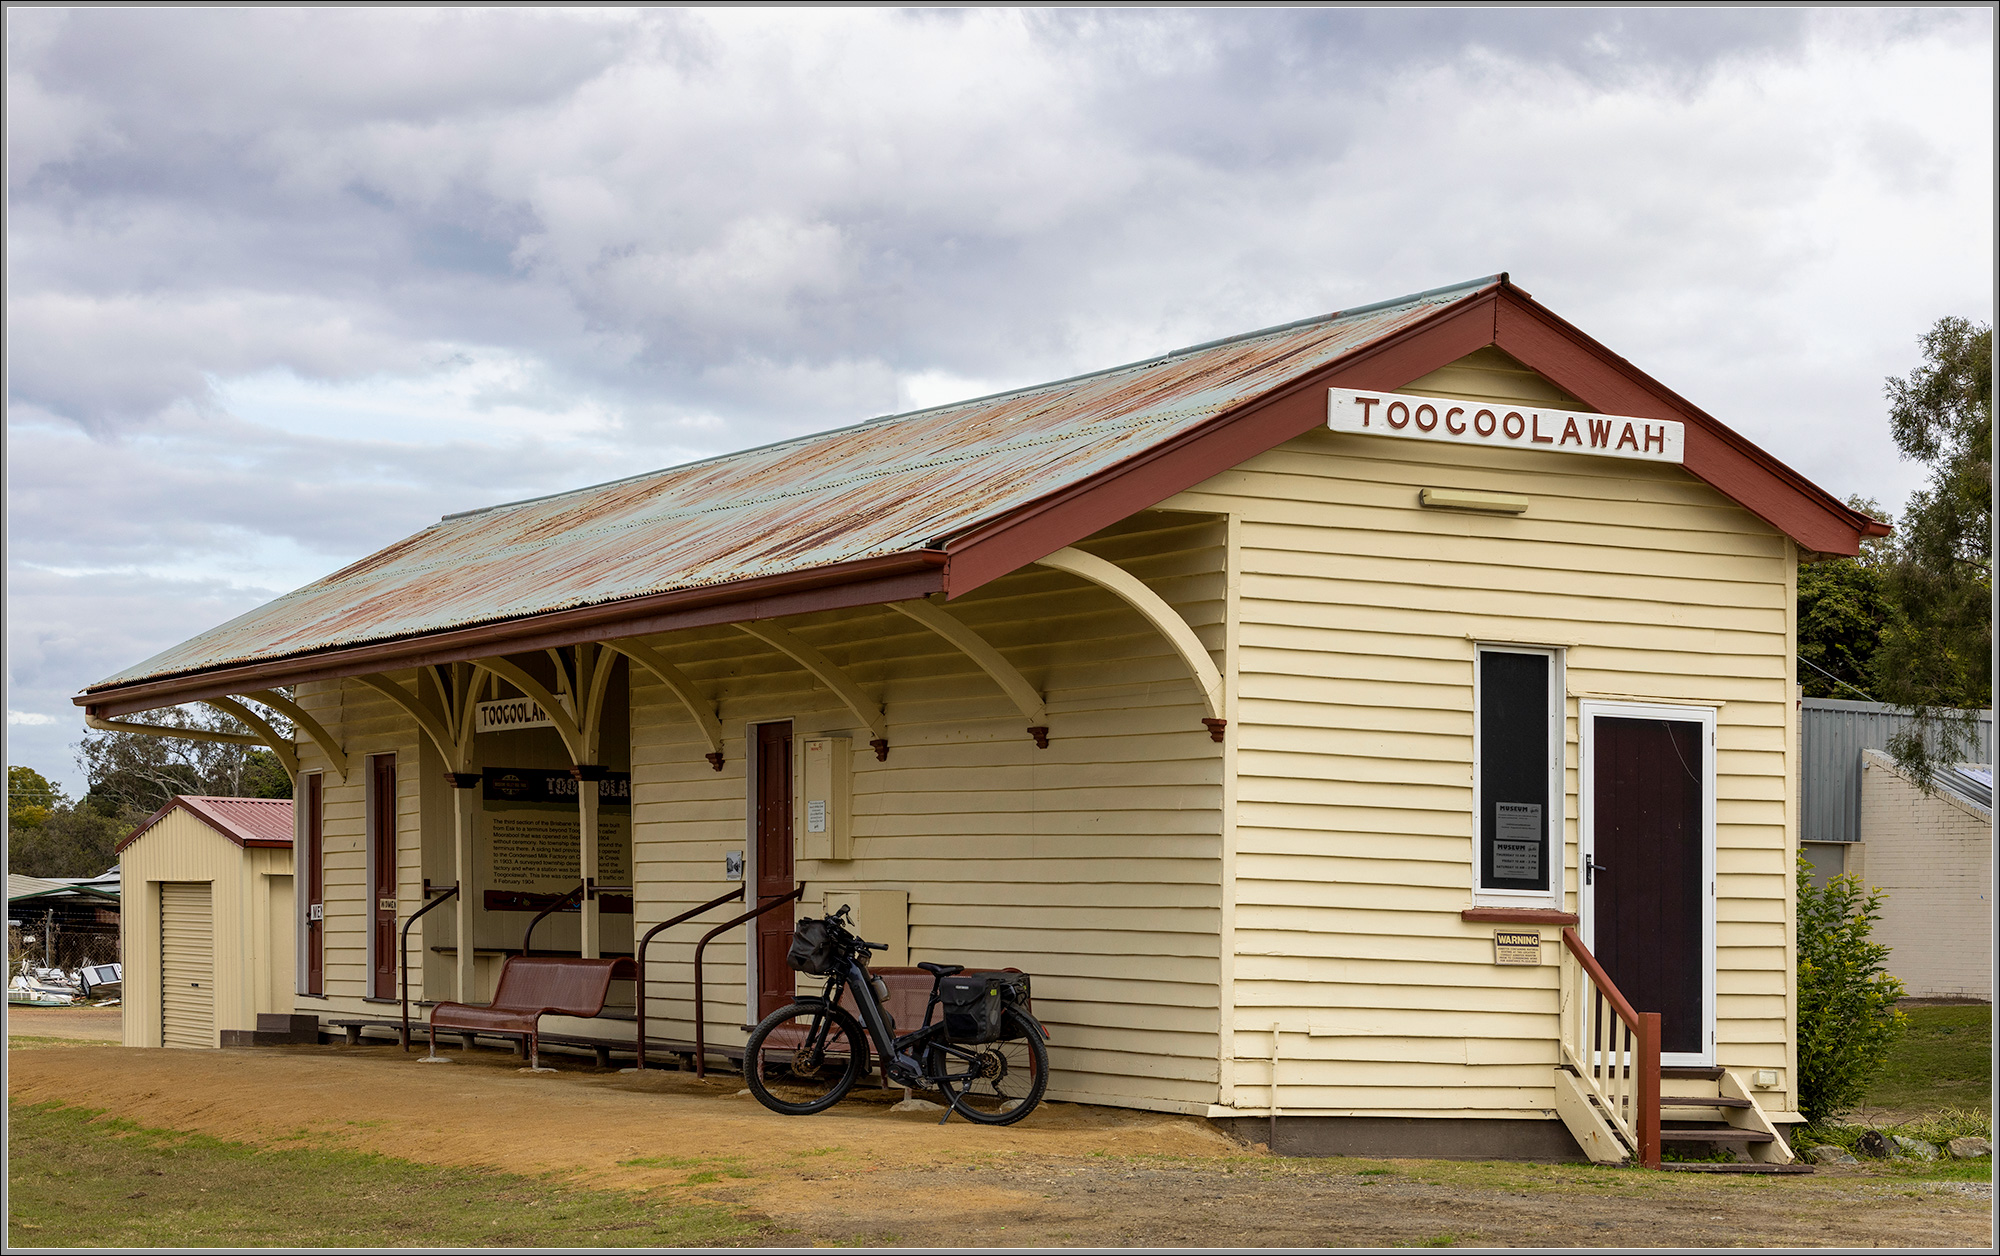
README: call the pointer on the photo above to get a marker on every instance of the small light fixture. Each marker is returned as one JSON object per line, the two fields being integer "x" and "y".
{"x": 1465, "y": 499}
{"x": 1764, "y": 1078}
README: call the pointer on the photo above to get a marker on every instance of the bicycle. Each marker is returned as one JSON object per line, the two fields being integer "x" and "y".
{"x": 805, "y": 1057}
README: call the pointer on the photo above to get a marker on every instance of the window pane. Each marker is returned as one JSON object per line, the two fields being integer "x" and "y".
{"x": 1513, "y": 771}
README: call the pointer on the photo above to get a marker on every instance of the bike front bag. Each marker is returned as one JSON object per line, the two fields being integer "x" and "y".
{"x": 812, "y": 950}
{"x": 974, "y": 1005}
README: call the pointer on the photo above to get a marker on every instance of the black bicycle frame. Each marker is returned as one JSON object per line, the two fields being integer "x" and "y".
{"x": 873, "y": 1019}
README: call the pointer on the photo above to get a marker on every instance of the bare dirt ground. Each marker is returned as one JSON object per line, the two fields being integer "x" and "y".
{"x": 1068, "y": 1175}
{"x": 94, "y": 1024}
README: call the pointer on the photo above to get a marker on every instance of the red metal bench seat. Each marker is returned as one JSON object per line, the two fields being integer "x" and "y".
{"x": 533, "y": 986}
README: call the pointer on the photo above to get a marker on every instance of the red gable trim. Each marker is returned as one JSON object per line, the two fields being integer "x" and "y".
{"x": 1760, "y": 483}
{"x": 191, "y": 805}
{"x": 1229, "y": 439}
{"x": 1501, "y": 315}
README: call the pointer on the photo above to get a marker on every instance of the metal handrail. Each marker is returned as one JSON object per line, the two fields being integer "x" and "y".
{"x": 404, "y": 950}
{"x": 528, "y": 938}
{"x": 700, "y": 1026}
{"x": 639, "y": 957}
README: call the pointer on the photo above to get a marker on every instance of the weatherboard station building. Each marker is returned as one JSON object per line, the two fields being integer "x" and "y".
{"x": 1348, "y": 724}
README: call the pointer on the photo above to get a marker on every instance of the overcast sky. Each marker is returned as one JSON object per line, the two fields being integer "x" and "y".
{"x": 286, "y": 285}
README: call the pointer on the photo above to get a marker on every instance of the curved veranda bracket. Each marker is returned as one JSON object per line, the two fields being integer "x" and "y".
{"x": 287, "y": 751}
{"x": 975, "y": 647}
{"x": 1134, "y": 593}
{"x": 441, "y": 735}
{"x": 830, "y": 675}
{"x": 683, "y": 688}
{"x": 566, "y": 727}
{"x": 262, "y": 734}
{"x": 303, "y": 720}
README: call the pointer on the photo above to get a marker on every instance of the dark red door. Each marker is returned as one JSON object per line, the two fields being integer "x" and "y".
{"x": 774, "y": 865}
{"x": 1646, "y": 880}
{"x": 382, "y": 873}
{"x": 312, "y": 863}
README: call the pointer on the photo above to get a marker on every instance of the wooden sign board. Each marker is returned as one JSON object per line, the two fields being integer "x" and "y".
{"x": 1517, "y": 946}
{"x": 1471, "y": 423}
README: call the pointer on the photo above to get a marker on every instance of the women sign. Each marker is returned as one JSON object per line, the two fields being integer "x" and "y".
{"x": 1480, "y": 423}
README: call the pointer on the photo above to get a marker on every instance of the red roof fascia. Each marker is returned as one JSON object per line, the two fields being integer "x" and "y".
{"x": 1231, "y": 438}
{"x": 248, "y": 822}
{"x": 1501, "y": 315}
{"x": 1794, "y": 505}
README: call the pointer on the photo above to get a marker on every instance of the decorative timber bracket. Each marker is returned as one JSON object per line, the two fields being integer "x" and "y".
{"x": 1134, "y": 593}
{"x": 866, "y": 710}
{"x": 975, "y": 647}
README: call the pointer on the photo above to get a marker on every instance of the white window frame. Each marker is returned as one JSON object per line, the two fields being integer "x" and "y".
{"x": 1587, "y": 714}
{"x": 1558, "y": 798}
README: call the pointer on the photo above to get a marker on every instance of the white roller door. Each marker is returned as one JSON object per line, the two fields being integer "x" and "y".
{"x": 187, "y": 964}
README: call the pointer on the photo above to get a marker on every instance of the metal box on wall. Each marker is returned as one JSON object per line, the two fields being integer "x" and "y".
{"x": 824, "y": 824}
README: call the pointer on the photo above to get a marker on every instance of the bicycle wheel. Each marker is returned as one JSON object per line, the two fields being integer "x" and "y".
{"x": 1008, "y": 1078}
{"x": 803, "y": 1058}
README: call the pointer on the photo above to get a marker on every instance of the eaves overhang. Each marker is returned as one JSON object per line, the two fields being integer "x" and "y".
{"x": 1271, "y": 386}
{"x": 890, "y": 578}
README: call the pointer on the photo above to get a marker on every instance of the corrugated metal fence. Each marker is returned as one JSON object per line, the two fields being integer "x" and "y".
{"x": 1834, "y": 733}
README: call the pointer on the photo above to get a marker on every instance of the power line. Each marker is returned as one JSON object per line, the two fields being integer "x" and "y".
{"x": 1835, "y": 679}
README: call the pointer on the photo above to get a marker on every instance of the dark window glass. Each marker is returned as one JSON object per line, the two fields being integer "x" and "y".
{"x": 1513, "y": 771}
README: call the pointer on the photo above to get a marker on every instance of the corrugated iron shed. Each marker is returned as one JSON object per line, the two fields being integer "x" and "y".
{"x": 1833, "y": 732}
{"x": 891, "y": 485}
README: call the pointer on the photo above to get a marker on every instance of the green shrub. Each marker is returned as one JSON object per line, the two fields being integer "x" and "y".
{"x": 1847, "y": 1001}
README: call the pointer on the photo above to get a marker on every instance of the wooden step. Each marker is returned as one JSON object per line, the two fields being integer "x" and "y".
{"x": 1691, "y": 1074}
{"x": 1751, "y": 1167}
{"x": 1701, "y": 1101}
{"x": 1719, "y": 1134}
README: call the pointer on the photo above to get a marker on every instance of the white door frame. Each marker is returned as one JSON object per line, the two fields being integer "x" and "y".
{"x": 1588, "y": 711}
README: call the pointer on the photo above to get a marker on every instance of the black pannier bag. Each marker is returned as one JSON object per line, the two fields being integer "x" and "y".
{"x": 812, "y": 950}
{"x": 973, "y": 1003}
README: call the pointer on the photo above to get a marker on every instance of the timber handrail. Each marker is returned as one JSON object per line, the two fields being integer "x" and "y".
{"x": 403, "y": 951}
{"x": 1613, "y": 1049}
{"x": 527, "y": 939}
{"x": 639, "y": 957}
{"x": 700, "y": 1025}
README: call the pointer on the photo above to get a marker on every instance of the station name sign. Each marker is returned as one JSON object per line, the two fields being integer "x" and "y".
{"x": 1476, "y": 423}
{"x": 512, "y": 714}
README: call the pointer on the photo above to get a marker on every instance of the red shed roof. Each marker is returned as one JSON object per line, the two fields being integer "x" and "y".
{"x": 245, "y": 821}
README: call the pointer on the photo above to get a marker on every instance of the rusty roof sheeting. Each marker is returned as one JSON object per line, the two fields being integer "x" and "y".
{"x": 889, "y": 485}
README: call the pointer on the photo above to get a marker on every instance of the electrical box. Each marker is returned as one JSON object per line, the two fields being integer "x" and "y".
{"x": 824, "y": 825}
{"x": 878, "y": 916}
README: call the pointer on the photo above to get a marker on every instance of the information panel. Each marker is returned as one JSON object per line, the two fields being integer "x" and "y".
{"x": 529, "y": 857}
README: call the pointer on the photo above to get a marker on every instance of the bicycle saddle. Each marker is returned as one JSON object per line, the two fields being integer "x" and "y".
{"x": 942, "y": 970}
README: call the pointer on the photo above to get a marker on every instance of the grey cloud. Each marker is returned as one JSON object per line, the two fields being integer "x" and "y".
{"x": 716, "y": 228}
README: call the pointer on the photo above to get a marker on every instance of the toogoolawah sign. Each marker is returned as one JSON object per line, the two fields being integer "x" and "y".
{"x": 1461, "y": 422}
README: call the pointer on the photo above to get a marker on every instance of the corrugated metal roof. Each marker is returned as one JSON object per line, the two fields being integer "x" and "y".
{"x": 890, "y": 485}
{"x": 245, "y": 821}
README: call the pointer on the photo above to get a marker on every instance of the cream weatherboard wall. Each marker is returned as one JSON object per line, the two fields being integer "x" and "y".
{"x": 250, "y": 907}
{"x": 1352, "y": 721}
{"x": 1176, "y": 899}
{"x": 366, "y": 723}
{"x": 1093, "y": 864}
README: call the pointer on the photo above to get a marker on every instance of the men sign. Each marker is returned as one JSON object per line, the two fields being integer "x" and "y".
{"x": 1517, "y": 427}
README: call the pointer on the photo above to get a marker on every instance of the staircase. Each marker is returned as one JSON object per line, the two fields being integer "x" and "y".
{"x": 1710, "y": 1107}
{"x": 1609, "y": 1084}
